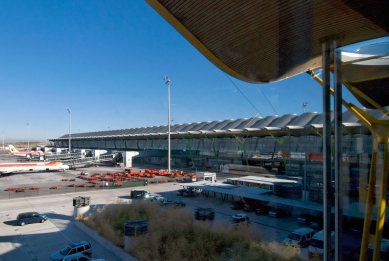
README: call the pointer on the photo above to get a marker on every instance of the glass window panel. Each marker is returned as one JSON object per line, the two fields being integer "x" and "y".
{"x": 141, "y": 144}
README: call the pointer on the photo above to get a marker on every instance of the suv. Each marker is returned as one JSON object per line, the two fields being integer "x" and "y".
{"x": 30, "y": 217}
{"x": 239, "y": 219}
{"x": 81, "y": 247}
{"x": 80, "y": 257}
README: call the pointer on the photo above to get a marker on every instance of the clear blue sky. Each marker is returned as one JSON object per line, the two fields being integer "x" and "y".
{"x": 105, "y": 61}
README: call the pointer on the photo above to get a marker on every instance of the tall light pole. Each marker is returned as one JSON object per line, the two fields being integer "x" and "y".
{"x": 70, "y": 134}
{"x": 45, "y": 136}
{"x": 3, "y": 139}
{"x": 28, "y": 143}
{"x": 166, "y": 78}
{"x": 305, "y": 104}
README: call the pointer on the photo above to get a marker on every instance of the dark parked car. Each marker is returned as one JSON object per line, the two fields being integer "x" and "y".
{"x": 237, "y": 205}
{"x": 304, "y": 218}
{"x": 30, "y": 217}
{"x": 204, "y": 213}
{"x": 278, "y": 212}
{"x": 356, "y": 225}
{"x": 262, "y": 210}
{"x": 316, "y": 223}
{"x": 179, "y": 204}
{"x": 249, "y": 207}
{"x": 166, "y": 203}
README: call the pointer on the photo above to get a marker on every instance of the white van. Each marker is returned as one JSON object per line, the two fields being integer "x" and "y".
{"x": 316, "y": 246}
{"x": 300, "y": 237}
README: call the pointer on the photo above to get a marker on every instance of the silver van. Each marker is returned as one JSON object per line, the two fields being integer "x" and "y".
{"x": 300, "y": 237}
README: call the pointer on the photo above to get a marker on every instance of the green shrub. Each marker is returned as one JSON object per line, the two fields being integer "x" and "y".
{"x": 174, "y": 234}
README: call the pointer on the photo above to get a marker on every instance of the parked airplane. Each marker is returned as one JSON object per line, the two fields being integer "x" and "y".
{"x": 12, "y": 150}
{"x": 24, "y": 167}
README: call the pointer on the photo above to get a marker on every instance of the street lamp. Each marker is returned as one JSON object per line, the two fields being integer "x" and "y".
{"x": 166, "y": 78}
{"x": 28, "y": 144}
{"x": 70, "y": 125}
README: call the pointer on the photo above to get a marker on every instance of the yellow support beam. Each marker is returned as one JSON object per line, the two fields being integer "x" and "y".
{"x": 360, "y": 94}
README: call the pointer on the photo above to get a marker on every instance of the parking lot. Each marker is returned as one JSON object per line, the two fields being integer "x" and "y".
{"x": 39, "y": 241}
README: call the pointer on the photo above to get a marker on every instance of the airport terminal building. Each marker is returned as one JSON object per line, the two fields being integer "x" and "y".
{"x": 289, "y": 146}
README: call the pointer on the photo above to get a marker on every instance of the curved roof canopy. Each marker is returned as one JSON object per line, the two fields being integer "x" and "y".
{"x": 266, "y": 41}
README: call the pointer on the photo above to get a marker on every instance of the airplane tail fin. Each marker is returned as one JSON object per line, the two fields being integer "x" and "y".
{"x": 12, "y": 149}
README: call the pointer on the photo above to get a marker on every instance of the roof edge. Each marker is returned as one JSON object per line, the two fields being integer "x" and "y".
{"x": 161, "y": 10}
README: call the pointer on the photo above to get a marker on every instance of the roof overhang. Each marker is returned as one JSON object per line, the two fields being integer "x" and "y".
{"x": 266, "y": 41}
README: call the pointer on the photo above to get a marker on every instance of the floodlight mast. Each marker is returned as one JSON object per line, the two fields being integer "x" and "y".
{"x": 305, "y": 104}
{"x": 70, "y": 126}
{"x": 28, "y": 142}
{"x": 166, "y": 78}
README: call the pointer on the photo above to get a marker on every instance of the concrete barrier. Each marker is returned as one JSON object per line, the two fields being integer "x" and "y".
{"x": 119, "y": 252}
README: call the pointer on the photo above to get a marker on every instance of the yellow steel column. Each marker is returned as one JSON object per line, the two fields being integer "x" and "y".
{"x": 380, "y": 134}
{"x": 382, "y": 200}
{"x": 369, "y": 204}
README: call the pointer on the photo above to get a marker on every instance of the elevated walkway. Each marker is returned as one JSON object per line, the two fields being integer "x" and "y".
{"x": 80, "y": 161}
{"x": 53, "y": 157}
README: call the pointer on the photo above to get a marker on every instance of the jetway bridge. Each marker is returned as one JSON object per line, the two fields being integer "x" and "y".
{"x": 72, "y": 159}
{"x": 55, "y": 157}
{"x": 80, "y": 161}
